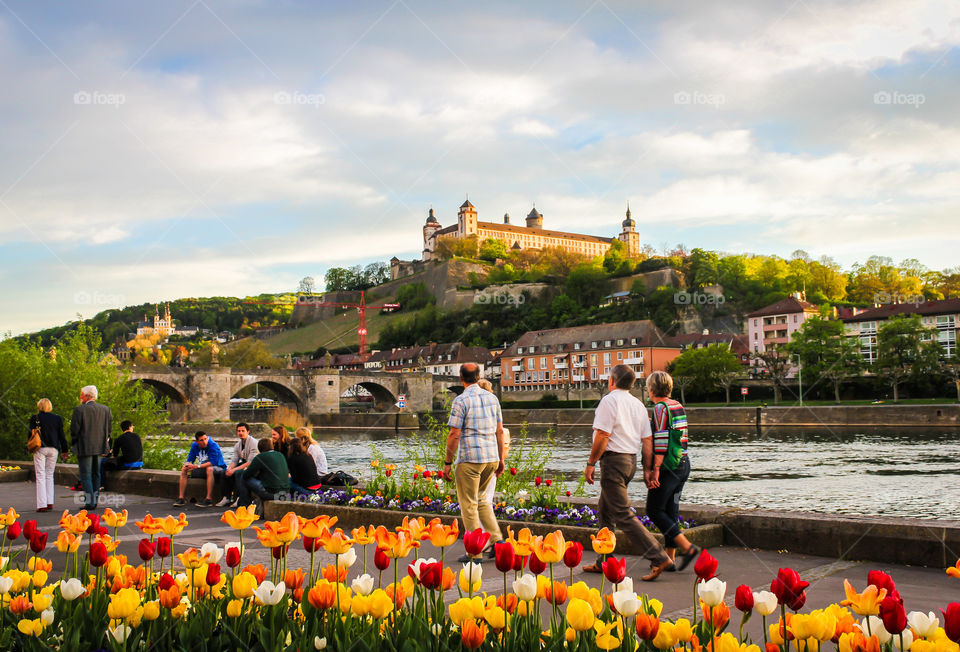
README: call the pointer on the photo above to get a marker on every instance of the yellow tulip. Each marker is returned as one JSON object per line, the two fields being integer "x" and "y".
{"x": 866, "y": 603}
{"x": 590, "y": 595}
{"x": 604, "y": 542}
{"x": 30, "y": 627}
{"x": 666, "y": 637}
{"x": 40, "y": 578}
{"x": 337, "y": 543}
{"x": 172, "y": 526}
{"x": 243, "y": 585}
{"x": 570, "y": 635}
{"x": 241, "y": 518}
{"x": 523, "y": 543}
{"x": 151, "y": 610}
{"x": 466, "y": 609}
{"x": 9, "y": 517}
{"x": 67, "y": 542}
{"x": 360, "y": 605}
{"x": 682, "y": 630}
{"x": 471, "y": 578}
{"x": 605, "y": 639}
{"x": 150, "y": 525}
{"x": 495, "y": 617}
{"x": 111, "y": 518}
{"x": 551, "y": 547}
{"x": 656, "y": 605}
{"x": 380, "y": 604}
{"x": 123, "y": 603}
{"x": 40, "y": 600}
{"x": 580, "y": 615}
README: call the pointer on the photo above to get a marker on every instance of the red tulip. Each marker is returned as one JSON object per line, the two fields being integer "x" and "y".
{"x": 29, "y": 529}
{"x": 504, "y": 556}
{"x": 166, "y": 581}
{"x": 416, "y": 476}
{"x": 280, "y": 551}
{"x": 537, "y": 481}
{"x": 798, "y": 601}
{"x": 94, "y": 523}
{"x": 536, "y": 565}
{"x": 38, "y": 542}
{"x": 615, "y": 569}
{"x": 475, "y": 541}
{"x": 951, "y": 621}
{"x": 147, "y": 549}
{"x": 744, "y": 598}
{"x": 13, "y": 530}
{"x": 163, "y": 547}
{"x": 101, "y": 530}
{"x": 388, "y": 472}
{"x": 513, "y": 471}
{"x": 233, "y": 556}
{"x": 431, "y": 575}
{"x": 893, "y": 614}
{"x": 97, "y": 554}
{"x": 883, "y": 581}
{"x": 213, "y": 574}
{"x": 573, "y": 554}
{"x": 568, "y": 493}
{"x": 380, "y": 560}
{"x": 519, "y": 562}
{"x": 312, "y": 544}
{"x": 789, "y": 588}
{"x": 706, "y": 566}
{"x": 426, "y": 474}
{"x": 548, "y": 482}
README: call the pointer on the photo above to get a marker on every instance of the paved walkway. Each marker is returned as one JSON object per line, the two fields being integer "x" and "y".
{"x": 923, "y": 589}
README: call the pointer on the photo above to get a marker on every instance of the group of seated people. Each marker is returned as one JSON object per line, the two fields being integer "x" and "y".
{"x": 264, "y": 468}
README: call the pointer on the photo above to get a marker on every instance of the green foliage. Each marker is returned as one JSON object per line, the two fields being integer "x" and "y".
{"x": 162, "y": 452}
{"x": 29, "y": 372}
{"x": 825, "y": 352}
{"x": 414, "y": 296}
{"x": 587, "y": 284}
{"x": 706, "y": 366}
{"x": 356, "y": 278}
{"x": 903, "y": 343}
{"x": 248, "y": 353}
{"x": 492, "y": 248}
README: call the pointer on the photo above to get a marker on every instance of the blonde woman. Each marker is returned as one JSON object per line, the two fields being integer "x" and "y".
{"x": 281, "y": 440}
{"x": 483, "y": 383}
{"x": 53, "y": 443}
{"x": 313, "y": 449}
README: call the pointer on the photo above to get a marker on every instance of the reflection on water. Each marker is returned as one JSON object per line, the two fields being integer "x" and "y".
{"x": 890, "y": 474}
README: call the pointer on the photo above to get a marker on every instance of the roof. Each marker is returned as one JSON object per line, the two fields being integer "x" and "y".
{"x": 435, "y": 353}
{"x": 942, "y": 307}
{"x": 531, "y": 230}
{"x": 445, "y": 230}
{"x": 534, "y": 213}
{"x": 467, "y": 204}
{"x": 559, "y": 340}
{"x": 738, "y": 343}
{"x": 430, "y": 217}
{"x": 785, "y": 307}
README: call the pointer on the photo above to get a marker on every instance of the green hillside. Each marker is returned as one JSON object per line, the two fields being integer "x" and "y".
{"x": 338, "y": 332}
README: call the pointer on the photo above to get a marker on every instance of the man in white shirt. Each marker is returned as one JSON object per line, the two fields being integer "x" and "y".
{"x": 621, "y": 429}
{"x": 243, "y": 453}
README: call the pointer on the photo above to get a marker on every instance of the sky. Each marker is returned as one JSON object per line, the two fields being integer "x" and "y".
{"x": 151, "y": 151}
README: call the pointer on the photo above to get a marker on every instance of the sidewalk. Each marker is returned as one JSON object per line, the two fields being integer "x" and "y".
{"x": 923, "y": 589}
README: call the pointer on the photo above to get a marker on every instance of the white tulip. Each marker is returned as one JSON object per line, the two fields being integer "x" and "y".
{"x": 46, "y": 616}
{"x": 626, "y": 585}
{"x": 6, "y": 583}
{"x": 121, "y": 633}
{"x": 526, "y": 587}
{"x": 181, "y": 578}
{"x": 347, "y": 559}
{"x": 712, "y": 591}
{"x": 437, "y": 629}
{"x": 212, "y": 552}
{"x": 3, "y": 562}
{"x": 362, "y": 585}
{"x": 472, "y": 571}
{"x": 319, "y": 643}
{"x": 907, "y": 640}
{"x": 876, "y": 629}
{"x": 417, "y": 565}
{"x": 626, "y": 603}
{"x": 70, "y": 590}
{"x": 764, "y": 602}
{"x": 923, "y": 624}
{"x": 270, "y": 593}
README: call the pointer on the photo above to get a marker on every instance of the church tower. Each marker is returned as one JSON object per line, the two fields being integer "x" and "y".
{"x": 534, "y": 219}
{"x": 467, "y": 220}
{"x": 629, "y": 235}
{"x": 429, "y": 235}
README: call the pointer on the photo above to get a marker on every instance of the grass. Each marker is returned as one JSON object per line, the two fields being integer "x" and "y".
{"x": 336, "y": 332}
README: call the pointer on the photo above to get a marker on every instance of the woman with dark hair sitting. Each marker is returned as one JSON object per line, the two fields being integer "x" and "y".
{"x": 303, "y": 470}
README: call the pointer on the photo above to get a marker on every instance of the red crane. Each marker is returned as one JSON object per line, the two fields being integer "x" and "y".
{"x": 361, "y": 308}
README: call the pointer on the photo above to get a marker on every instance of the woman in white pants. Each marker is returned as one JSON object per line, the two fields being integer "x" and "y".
{"x": 53, "y": 443}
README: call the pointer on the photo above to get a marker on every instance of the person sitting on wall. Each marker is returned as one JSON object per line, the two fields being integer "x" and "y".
{"x": 303, "y": 470}
{"x": 203, "y": 461}
{"x": 266, "y": 476}
{"x": 127, "y": 452}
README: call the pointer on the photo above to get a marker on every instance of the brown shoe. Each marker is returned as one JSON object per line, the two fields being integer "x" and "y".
{"x": 593, "y": 568}
{"x": 656, "y": 571}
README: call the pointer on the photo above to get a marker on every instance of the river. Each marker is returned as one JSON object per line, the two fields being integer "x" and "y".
{"x": 873, "y": 474}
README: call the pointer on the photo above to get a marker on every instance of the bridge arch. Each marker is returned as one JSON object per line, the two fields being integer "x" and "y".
{"x": 284, "y": 395}
{"x": 383, "y": 398}
{"x": 176, "y": 401}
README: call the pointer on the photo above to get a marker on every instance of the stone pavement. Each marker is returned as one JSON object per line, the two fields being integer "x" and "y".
{"x": 923, "y": 589}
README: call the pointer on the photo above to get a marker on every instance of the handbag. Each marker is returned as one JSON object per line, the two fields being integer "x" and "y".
{"x": 34, "y": 443}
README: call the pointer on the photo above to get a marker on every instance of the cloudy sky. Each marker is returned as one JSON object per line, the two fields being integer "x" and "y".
{"x": 192, "y": 148}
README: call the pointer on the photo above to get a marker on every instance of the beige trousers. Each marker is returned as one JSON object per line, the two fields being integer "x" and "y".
{"x": 475, "y": 508}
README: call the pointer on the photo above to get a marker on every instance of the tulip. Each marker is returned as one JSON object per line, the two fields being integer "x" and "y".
{"x": 146, "y": 549}
{"x": 233, "y": 555}
{"x": 323, "y": 595}
{"x": 30, "y": 529}
{"x": 496, "y": 617}
{"x": 151, "y": 610}
{"x": 526, "y": 587}
{"x": 13, "y": 530}
{"x": 166, "y": 581}
{"x": 71, "y": 589}
{"x": 866, "y": 603}
{"x": 874, "y": 626}
{"x": 163, "y": 547}
{"x": 362, "y": 585}
{"x": 555, "y": 593}
{"x": 789, "y": 588}
{"x": 764, "y": 602}
{"x": 269, "y": 593}
{"x": 243, "y": 585}
{"x": 380, "y": 560}
{"x": 519, "y": 562}
{"x": 706, "y": 566}
{"x": 473, "y": 633}
{"x": 951, "y": 621}
{"x": 319, "y": 643}
{"x": 536, "y": 564}
{"x": 381, "y": 604}
{"x": 241, "y": 518}
{"x": 924, "y": 625}
{"x": 471, "y": 577}
{"x": 234, "y": 608}
{"x": 893, "y": 615}
{"x": 213, "y": 574}
{"x": 550, "y": 548}
{"x": 312, "y": 544}
{"x": 882, "y": 580}
{"x": 212, "y": 552}
{"x": 123, "y": 604}
{"x": 121, "y": 633}
{"x": 504, "y": 556}
{"x": 537, "y": 480}
{"x": 513, "y": 470}
{"x": 615, "y": 569}
{"x": 743, "y": 599}
{"x": 97, "y": 554}
{"x": 573, "y": 554}
{"x": 38, "y": 542}
{"x": 475, "y": 541}
{"x": 712, "y": 591}
{"x": 338, "y": 543}
{"x": 431, "y": 576}
{"x": 580, "y": 615}
{"x": 347, "y": 559}
{"x": 626, "y": 603}
{"x": 647, "y": 626}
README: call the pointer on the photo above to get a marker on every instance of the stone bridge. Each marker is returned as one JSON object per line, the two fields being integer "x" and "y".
{"x": 203, "y": 394}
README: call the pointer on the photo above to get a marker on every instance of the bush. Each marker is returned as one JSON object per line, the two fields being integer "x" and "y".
{"x": 163, "y": 453}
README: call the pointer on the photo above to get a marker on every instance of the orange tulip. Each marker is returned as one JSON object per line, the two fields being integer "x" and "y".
{"x": 191, "y": 558}
{"x": 721, "y": 614}
{"x": 37, "y": 563}
{"x": 323, "y": 595}
{"x": 448, "y": 580}
{"x": 414, "y": 526}
{"x": 647, "y": 626}
{"x": 604, "y": 542}
{"x": 866, "y": 603}
{"x": 473, "y": 633}
{"x": 550, "y": 548}
{"x": 107, "y": 541}
{"x": 523, "y": 543}
{"x": 150, "y": 525}
{"x": 170, "y": 598}
{"x": 172, "y": 526}
{"x": 20, "y": 604}
{"x": 442, "y": 535}
{"x": 330, "y": 574}
{"x": 395, "y": 545}
{"x": 76, "y": 525}
{"x": 68, "y": 542}
{"x": 111, "y": 518}
{"x": 337, "y": 543}
{"x": 293, "y": 578}
{"x": 241, "y": 518}
{"x": 315, "y": 526}
{"x": 397, "y": 594}
{"x": 259, "y": 571}
{"x": 557, "y": 594}
{"x": 363, "y": 536}
{"x": 954, "y": 571}
{"x": 278, "y": 533}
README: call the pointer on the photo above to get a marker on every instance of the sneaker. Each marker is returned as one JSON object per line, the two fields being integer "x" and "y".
{"x": 206, "y": 502}
{"x": 687, "y": 557}
{"x": 463, "y": 559}
{"x": 225, "y": 502}
{"x": 180, "y": 502}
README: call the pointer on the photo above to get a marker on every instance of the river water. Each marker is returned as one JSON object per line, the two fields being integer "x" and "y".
{"x": 913, "y": 474}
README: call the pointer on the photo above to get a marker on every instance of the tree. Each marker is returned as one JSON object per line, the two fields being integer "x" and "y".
{"x": 704, "y": 268}
{"x": 682, "y": 382}
{"x": 825, "y": 352}
{"x": 307, "y": 285}
{"x": 705, "y": 366}
{"x": 727, "y": 379}
{"x": 492, "y": 248}
{"x": 375, "y": 274}
{"x": 338, "y": 279}
{"x": 905, "y": 349}
{"x": 615, "y": 255}
{"x": 250, "y": 353}
{"x": 587, "y": 284}
{"x": 952, "y": 369}
{"x": 776, "y": 366}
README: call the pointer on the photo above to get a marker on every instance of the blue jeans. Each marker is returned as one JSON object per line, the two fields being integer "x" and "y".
{"x": 663, "y": 503}
{"x": 89, "y": 467}
{"x": 252, "y": 486}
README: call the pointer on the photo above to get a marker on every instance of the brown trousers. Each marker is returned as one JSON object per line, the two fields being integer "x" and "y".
{"x": 616, "y": 472}
{"x": 475, "y": 509}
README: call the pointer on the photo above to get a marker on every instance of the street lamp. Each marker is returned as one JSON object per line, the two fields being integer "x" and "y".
{"x": 800, "y": 375}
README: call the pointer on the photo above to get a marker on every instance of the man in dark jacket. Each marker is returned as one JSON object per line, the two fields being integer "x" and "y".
{"x": 127, "y": 452}
{"x": 90, "y": 434}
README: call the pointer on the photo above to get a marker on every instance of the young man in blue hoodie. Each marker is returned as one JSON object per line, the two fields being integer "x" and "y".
{"x": 203, "y": 461}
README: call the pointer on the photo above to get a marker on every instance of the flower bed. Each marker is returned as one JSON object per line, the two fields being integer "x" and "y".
{"x": 209, "y": 599}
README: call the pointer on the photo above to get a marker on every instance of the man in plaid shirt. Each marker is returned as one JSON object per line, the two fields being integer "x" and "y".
{"x": 476, "y": 430}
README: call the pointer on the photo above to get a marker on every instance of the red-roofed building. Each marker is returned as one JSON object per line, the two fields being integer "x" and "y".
{"x": 736, "y": 341}
{"x": 941, "y": 316}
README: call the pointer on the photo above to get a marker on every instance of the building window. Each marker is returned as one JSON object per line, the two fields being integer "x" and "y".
{"x": 619, "y": 342}
{"x": 543, "y": 363}
{"x": 606, "y": 358}
{"x": 633, "y": 341}
{"x": 619, "y": 355}
{"x": 576, "y": 346}
{"x": 531, "y": 363}
{"x": 607, "y": 342}
{"x": 593, "y": 373}
{"x": 593, "y": 344}
{"x": 593, "y": 359}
